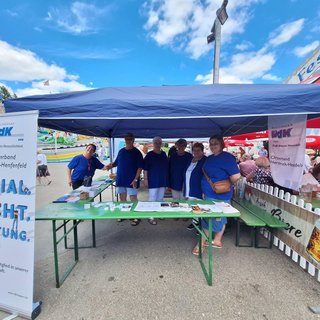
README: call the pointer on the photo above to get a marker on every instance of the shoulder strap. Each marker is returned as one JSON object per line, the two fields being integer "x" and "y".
{"x": 208, "y": 179}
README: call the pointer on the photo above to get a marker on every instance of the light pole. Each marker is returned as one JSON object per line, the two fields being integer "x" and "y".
{"x": 215, "y": 35}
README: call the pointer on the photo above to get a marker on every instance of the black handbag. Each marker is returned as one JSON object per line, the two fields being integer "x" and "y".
{"x": 87, "y": 181}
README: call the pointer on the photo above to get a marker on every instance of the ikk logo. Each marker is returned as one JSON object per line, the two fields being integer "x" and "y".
{"x": 5, "y": 131}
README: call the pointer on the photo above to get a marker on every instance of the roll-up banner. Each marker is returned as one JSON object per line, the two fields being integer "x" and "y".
{"x": 18, "y": 154}
{"x": 287, "y": 143}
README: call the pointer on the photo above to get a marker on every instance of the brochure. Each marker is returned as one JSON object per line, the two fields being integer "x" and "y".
{"x": 162, "y": 207}
{"x": 225, "y": 207}
{"x": 68, "y": 198}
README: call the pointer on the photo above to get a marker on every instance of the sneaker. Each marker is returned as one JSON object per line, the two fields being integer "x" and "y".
{"x": 190, "y": 226}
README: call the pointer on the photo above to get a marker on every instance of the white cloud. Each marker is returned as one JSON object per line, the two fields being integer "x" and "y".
{"x": 244, "y": 45}
{"x": 80, "y": 18}
{"x": 272, "y": 77}
{"x": 55, "y": 86}
{"x": 94, "y": 54}
{"x": 285, "y": 32}
{"x": 244, "y": 68}
{"x": 185, "y": 24}
{"x": 23, "y": 65}
{"x": 38, "y": 29}
{"x": 303, "y": 51}
{"x": 11, "y": 13}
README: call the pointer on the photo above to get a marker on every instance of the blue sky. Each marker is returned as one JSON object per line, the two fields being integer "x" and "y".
{"x": 78, "y": 45}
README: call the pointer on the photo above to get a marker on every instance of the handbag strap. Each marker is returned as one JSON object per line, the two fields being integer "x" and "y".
{"x": 208, "y": 179}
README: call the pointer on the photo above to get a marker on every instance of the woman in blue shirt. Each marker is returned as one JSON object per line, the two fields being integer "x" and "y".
{"x": 193, "y": 176}
{"x": 83, "y": 165}
{"x": 219, "y": 166}
{"x": 155, "y": 172}
{"x": 178, "y": 164}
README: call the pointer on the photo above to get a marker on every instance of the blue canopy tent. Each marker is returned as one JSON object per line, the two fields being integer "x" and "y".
{"x": 170, "y": 111}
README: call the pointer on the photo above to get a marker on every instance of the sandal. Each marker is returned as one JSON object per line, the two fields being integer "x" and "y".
{"x": 195, "y": 250}
{"x": 214, "y": 245}
{"x": 152, "y": 221}
{"x": 135, "y": 222}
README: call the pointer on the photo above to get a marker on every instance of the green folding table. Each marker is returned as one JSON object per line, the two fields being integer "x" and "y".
{"x": 76, "y": 212}
{"x": 98, "y": 192}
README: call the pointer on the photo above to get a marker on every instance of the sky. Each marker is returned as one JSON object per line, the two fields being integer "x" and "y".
{"x": 80, "y": 45}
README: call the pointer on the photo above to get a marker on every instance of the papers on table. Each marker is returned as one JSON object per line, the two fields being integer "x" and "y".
{"x": 225, "y": 207}
{"x": 71, "y": 198}
{"x": 97, "y": 184}
{"x": 111, "y": 206}
{"x": 184, "y": 207}
{"x": 162, "y": 207}
{"x": 125, "y": 206}
{"x": 202, "y": 208}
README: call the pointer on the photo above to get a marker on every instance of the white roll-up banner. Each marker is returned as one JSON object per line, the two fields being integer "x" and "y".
{"x": 18, "y": 154}
{"x": 287, "y": 143}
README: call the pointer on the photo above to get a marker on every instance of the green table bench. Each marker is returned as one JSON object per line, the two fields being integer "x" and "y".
{"x": 256, "y": 218}
{"x": 75, "y": 212}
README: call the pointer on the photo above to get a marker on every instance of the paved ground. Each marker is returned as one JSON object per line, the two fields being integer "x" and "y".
{"x": 148, "y": 272}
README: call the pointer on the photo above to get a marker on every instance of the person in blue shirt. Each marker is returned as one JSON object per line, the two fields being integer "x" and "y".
{"x": 155, "y": 173}
{"x": 193, "y": 177}
{"x": 219, "y": 166}
{"x": 129, "y": 163}
{"x": 83, "y": 165}
{"x": 178, "y": 164}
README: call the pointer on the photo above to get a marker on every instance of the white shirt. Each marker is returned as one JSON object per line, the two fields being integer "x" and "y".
{"x": 42, "y": 158}
{"x": 307, "y": 163}
{"x": 188, "y": 176}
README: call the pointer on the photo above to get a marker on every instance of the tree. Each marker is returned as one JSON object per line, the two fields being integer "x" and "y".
{"x": 5, "y": 94}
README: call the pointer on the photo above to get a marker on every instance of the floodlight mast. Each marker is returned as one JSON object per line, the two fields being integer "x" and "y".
{"x": 215, "y": 35}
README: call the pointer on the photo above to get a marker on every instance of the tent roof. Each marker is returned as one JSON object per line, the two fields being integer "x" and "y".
{"x": 170, "y": 111}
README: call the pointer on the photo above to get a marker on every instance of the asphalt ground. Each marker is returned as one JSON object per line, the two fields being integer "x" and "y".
{"x": 148, "y": 272}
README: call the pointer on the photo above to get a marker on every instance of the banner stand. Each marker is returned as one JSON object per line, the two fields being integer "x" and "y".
{"x": 35, "y": 312}
{"x": 18, "y": 164}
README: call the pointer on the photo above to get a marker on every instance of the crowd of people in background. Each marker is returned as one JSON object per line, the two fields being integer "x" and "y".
{"x": 189, "y": 176}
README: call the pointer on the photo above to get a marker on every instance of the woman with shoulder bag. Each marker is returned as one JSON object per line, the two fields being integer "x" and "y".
{"x": 220, "y": 171}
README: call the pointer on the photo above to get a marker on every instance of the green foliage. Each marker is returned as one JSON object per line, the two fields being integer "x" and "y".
{"x": 5, "y": 93}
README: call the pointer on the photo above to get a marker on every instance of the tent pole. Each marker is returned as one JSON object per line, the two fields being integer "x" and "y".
{"x": 111, "y": 151}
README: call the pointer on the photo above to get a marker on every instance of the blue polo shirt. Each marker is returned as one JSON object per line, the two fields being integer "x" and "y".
{"x": 157, "y": 167}
{"x": 218, "y": 168}
{"x": 177, "y": 168}
{"x": 127, "y": 163}
{"x": 82, "y": 167}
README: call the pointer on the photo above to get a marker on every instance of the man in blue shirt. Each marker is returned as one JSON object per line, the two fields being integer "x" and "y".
{"x": 83, "y": 165}
{"x": 129, "y": 163}
{"x": 155, "y": 173}
{"x": 178, "y": 164}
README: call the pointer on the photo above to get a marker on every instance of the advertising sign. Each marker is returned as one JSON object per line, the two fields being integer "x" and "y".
{"x": 302, "y": 233}
{"x": 308, "y": 72}
{"x": 287, "y": 141}
{"x": 17, "y": 211}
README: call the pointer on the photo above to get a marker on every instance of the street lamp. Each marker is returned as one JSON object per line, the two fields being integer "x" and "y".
{"x": 215, "y": 35}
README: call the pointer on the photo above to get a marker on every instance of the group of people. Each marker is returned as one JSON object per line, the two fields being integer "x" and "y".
{"x": 188, "y": 176}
